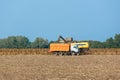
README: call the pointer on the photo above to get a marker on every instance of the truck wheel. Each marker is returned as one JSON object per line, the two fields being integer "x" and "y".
{"x": 61, "y": 53}
{"x": 78, "y": 54}
{"x": 65, "y": 53}
{"x": 56, "y": 53}
{"x": 72, "y": 53}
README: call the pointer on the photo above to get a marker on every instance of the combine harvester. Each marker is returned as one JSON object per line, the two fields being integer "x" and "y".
{"x": 68, "y": 47}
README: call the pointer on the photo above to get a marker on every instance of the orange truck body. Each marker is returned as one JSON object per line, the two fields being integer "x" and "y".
{"x": 59, "y": 47}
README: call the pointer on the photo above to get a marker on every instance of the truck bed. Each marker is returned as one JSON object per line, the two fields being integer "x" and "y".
{"x": 59, "y": 47}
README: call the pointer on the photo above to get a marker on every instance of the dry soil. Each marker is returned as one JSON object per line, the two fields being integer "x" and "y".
{"x": 49, "y": 67}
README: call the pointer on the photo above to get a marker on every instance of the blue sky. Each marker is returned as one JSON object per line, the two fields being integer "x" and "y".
{"x": 80, "y": 19}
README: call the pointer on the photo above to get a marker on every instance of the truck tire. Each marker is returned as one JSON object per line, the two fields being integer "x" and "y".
{"x": 78, "y": 54}
{"x": 56, "y": 53}
{"x": 72, "y": 53}
{"x": 61, "y": 53}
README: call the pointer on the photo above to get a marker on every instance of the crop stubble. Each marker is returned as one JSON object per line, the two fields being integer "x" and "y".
{"x": 49, "y": 67}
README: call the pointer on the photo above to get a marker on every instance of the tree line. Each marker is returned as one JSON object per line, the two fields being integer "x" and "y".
{"x": 109, "y": 43}
{"x": 24, "y": 42}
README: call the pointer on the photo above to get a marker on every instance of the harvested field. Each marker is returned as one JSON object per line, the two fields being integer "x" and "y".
{"x": 49, "y": 67}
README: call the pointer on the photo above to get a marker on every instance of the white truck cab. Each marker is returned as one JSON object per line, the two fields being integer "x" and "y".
{"x": 74, "y": 48}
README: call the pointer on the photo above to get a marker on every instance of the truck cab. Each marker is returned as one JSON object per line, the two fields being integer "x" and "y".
{"x": 74, "y": 49}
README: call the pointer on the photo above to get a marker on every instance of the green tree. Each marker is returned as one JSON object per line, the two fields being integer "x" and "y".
{"x": 109, "y": 43}
{"x": 96, "y": 44}
{"x": 11, "y": 42}
{"x": 22, "y": 42}
{"x": 15, "y": 42}
{"x": 117, "y": 40}
{"x": 40, "y": 43}
{"x": 3, "y": 43}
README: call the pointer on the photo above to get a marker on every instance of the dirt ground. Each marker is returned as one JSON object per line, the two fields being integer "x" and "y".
{"x": 49, "y": 67}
